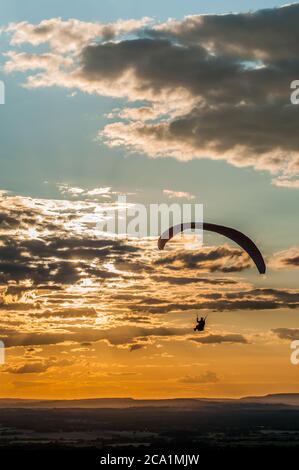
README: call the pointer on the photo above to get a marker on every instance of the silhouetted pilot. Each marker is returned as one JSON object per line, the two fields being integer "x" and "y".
{"x": 200, "y": 324}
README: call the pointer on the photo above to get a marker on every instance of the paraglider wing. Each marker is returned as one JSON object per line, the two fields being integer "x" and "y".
{"x": 238, "y": 237}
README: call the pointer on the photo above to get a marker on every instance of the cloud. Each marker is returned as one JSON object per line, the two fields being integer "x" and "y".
{"x": 215, "y": 300}
{"x": 135, "y": 347}
{"x": 219, "y": 339}
{"x": 207, "y": 377}
{"x": 214, "y": 86}
{"x": 38, "y": 367}
{"x": 28, "y": 368}
{"x": 7, "y": 222}
{"x": 57, "y": 242}
{"x": 287, "y": 333}
{"x": 104, "y": 192}
{"x": 70, "y": 312}
{"x": 223, "y": 258}
{"x": 277, "y": 294}
{"x": 181, "y": 280}
{"x": 123, "y": 336}
{"x": 178, "y": 194}
{"x": 69, "y": 35}
{"x": 265, "y": 34}
{"x": 242, "y": 138}
{"x": 286, "y": 259}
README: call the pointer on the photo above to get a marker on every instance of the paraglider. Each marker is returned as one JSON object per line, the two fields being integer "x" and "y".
{"x": 200, "y": 324}
{"x": 238, "y": 237}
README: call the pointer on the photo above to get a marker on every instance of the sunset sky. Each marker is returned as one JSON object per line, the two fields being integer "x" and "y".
{"x": 164, "y": 102}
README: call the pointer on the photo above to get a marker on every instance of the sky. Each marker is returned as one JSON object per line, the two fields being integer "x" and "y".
{"x": 163, "y": 102}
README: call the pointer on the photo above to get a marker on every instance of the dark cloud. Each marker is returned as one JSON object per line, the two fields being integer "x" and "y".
{"x": 222, "y": 258}
{"x": 28, "y": 368}
{"x": 7, "y": 222}
{"x": 158, "y": 64}
{"x": 70, "y": 312}
{"x": 260, "y": 299}
{"x": 38, "y": 367}
{"x": 253, "y": 299}
{"x": 23, "y": 338}
{"x": 135, "y": 347}
{"x": 269, "y": 34}
{"x": 215, "y": 302}
{"x": 242, "y": 131}
{"x": 287, "y": 296}
{"x": 116, "y": 336}
{"x": 287, "y": 333}
{"x": 47, "y": 255}
{"x": 294, "y": 261}
{"x": 61, "y": 260}
{"x": 218, "y": 339}
{"x": 152, "y": 301}
{"x": 161, "y": 64}
{"x": 288, "y": 259}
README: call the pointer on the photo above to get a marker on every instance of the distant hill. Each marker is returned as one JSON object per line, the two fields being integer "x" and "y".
{"x": 291, "y": 399}
{"x": 279, "y": 398}
{"x": 100, "y": 403}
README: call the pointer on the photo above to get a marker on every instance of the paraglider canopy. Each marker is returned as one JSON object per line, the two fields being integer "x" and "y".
{"x": 238, "y": 237}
